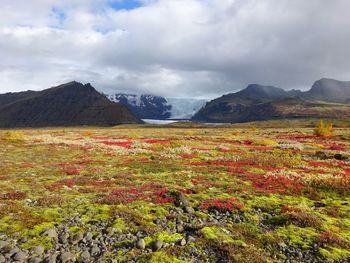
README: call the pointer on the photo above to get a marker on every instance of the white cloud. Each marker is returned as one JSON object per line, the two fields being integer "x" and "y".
{"x": 199, "y": 48}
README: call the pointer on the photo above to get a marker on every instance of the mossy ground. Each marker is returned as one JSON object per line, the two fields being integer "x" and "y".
{"x": 272, "y": 178}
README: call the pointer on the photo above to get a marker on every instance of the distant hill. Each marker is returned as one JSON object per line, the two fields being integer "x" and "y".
{"x": 329, "y": 90}
{"x": 147, "y": 106}
{"x": 326, "y": 99}
{"x": 70, "y": 104}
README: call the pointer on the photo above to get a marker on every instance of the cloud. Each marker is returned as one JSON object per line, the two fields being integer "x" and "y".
{"x": 182, "y": 48}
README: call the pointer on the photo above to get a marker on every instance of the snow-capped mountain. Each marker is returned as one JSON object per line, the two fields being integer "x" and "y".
{"x": 144, "y": 106}
{"x": 157, "y": 107}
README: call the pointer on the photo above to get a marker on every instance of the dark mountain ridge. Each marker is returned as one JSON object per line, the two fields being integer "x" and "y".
{"x": 70, "y": 104}
{"x": 258, "y": 102}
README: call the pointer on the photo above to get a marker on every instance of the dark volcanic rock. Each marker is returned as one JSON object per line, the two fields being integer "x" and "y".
{"x": 70, "y": 104}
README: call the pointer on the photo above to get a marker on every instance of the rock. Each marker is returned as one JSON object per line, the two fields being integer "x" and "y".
{"x": 183, "y": 242}
{"x": 321, "y": 155}
{"x": 63, "y": 238}
{"x": 157, "y": 221}
{"x": 85, "y": 256}
{"x": 88, "y": 236}
{"x": 140, "y": 244}
{"x": 319, "y": 204}
{"x": 180, "y": 199}
{"x": 5, "y": 246}
{"x": 38, "y": 250}
{"x": 157, "y": 245}
{"x": 111, "y": 231}
{"x": 35, "y": 260}
{"x": 51, "y": 258}
{"x": 340, "y": 157}
{"x": 13, "y": 251}
{"x": 20, "y": 256}
{"x": 190, "y": 239}
{"x": 180, "y": 228}
{"x": 23, "y": 240}
{"x": 2, "y": 259}
{"x": 66, "y": 257}
{"x": 189, "y": 210}
{"x": 77, "y": 238}
{"x": 95, "y": 250}
{"x": 50, "y": 233}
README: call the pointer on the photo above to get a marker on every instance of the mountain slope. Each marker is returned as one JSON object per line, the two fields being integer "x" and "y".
{"x": 258, "y": 102}
{"x": 329, "y": 90}
{"x": 70, "y": 104}
{"x": 144, "y": 106}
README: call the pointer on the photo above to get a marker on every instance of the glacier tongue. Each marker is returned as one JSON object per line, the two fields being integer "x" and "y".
{"x": 156, "y": 107}
{"x": 183, "y": 108}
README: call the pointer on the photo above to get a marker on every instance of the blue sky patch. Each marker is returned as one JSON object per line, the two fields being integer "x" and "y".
{"x": 125, "y": 4}
{"x": 58, "y": 14}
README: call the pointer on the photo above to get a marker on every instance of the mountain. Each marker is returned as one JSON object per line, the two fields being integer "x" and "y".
{"x": 258, "y": 102}
{"x": 157, "y": 107}
{"x": 144, "y": 106}
{"x": 329, "y": 90}
{"x": 70, "y": 104}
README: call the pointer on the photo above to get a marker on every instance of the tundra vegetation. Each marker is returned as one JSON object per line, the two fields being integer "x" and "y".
{"x": 175, "y": 194}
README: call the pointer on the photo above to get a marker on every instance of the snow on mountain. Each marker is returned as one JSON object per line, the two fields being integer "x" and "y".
{"x": 156, "y": 107}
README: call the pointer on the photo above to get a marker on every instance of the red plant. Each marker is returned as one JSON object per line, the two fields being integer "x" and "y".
{"x": 13, "y": 195}
{"x": 274, "y": 184}
{"x": 188, "y": 156}
{"x": 222, "y": 203}
{"x": 336, "y": 147}
{"x": 318, "y": 164}
{"x": 185, "y": 191}
{"x": 125, "y": 144}
{"x": 220, "y": 163}
{"x": 330, "y": 238}
{"x": 69, "y": 168}
{"x": 149, "y": 192}
{"x": 248, "y": 142}
{"x": 61, "y": 184}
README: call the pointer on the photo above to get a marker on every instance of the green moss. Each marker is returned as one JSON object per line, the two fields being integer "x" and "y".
{"x": 303, "y": 237}
{"x": 217, "y": 233}
{"x": 155, "y": 210}
{"x": 97, "y": 212}
{"x": 39, "y": 229}
{"x": 200, "y": 214}
{"x": 335, "y": 253}
{"x": 45, "y": 242}
{"x": 8, "y": 225}
{"x": 75, "y": 229}
{"x": 119, "y": 225}
{"x": 163, "y": 236}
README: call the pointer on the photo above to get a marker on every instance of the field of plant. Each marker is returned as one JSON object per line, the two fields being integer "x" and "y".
{"x": 174, "y": 194}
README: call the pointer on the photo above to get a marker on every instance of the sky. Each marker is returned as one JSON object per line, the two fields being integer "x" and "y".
{"x": 174, "y": 48}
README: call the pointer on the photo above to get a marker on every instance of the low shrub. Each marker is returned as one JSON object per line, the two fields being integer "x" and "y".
{"x": 324, "y": 129}
{"x": 13, "y": 136}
